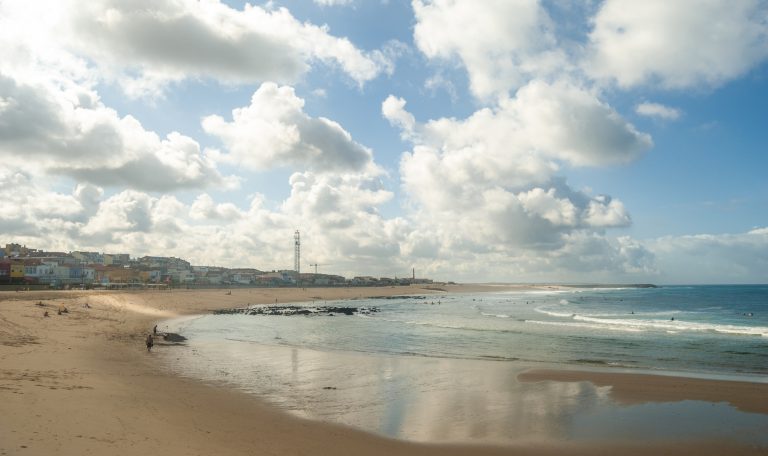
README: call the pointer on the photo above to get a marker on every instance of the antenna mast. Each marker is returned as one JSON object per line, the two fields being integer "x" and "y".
{"x": 297, "y": 252}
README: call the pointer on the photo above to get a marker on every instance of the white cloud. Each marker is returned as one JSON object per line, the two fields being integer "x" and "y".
{"x": 393, "y": 109}
{"x": 572, "y": 124}
{"x": 558, "y": 211}
{"x": 710, "y": 258}
{"x": 439, "y": 81}
{"x": 519, "y": 143}
{"x": 677, "y": 44}
{"x": 72, "y": 133}
{"x": 145, "y": 45}
{"x": 174, "y": 163}
{"x": 204, "y": 208}
{"x": 28, "y": 210}
{"x": 657, "y": 110}
{"x": 502, "y": 44}
{"x": 274, "y": 131}
{"x": 489, "y": 182}
{"x": 603, "y": 211}
{"x": 484, "y": 195}
{"x": 337, "y": 216}
{"x": 127, "y": 212}
{"x": 340, "y": 222}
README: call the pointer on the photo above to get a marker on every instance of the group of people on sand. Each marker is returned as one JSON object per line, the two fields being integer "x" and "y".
{"x": 60, "y": 311}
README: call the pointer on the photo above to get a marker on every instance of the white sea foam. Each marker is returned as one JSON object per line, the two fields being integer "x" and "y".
{"x": 667, "y": 313}
{"x": 583, "y": 325}
{"x": 545, "y": 311}
{"x": 606, "y": 321}
{"x": 494, "y": 315}
{"x": 676, "y": 325}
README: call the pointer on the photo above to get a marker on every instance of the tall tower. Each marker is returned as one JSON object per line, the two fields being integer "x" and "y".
{"x": 297, "y": 252}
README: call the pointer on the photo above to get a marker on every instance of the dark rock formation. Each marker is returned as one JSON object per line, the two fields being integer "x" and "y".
{"x": 299, "y": 310}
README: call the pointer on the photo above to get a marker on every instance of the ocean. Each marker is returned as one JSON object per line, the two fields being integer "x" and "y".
{"x": 443, "y": 367}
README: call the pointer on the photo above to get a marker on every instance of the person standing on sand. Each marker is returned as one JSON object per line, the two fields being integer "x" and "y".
{"x": 150, "y": 342}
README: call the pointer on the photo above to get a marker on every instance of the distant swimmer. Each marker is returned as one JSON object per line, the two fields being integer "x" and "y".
{"x": 672, "y": 319}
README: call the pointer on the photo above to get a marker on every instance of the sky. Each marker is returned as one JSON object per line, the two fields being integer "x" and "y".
{"x": 496, "y": 141}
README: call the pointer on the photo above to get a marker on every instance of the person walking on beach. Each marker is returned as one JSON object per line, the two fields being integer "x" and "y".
{"x": 150, "y": 342}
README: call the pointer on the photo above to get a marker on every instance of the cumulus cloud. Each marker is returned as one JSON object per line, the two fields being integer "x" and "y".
{"x": 490, "y": 181}
{"x": 521, "y": 142}
{"x": 127, "y": 212}
{"x": 204, "y": 208}
{"x": 78, "y": 136}
{"x": 484, "y": 195}
{"x": 605, "y": 211}
{"x": 713, "y": 258}
{"x": 572, "y": 124}
{"x": 657, "y": 110}
{"x": 28, "y": 210}
{"x": 171, "y": 40}
{"x": 393, "y": 109}
{"x": 274, "y": 131}
{"x": 502, "y": 44}
{"x": 677, "y": 44}
{"x": 545, "y": 204}
{"x": 337, "y": 217}
{"x": 340, "y": 221}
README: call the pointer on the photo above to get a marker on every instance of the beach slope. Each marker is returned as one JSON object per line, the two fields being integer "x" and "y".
{"x": 83, "y": 383}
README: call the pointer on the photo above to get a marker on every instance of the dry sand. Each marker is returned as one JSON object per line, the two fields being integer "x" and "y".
{"x": 82, "y": 383}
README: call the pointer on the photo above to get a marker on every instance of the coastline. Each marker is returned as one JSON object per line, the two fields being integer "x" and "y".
{"x": 83, "y": 382}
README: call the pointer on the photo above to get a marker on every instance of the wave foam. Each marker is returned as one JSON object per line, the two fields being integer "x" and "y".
{"x": 544, "y": 311}
{"x": 494, "y": 315}
{"x": 582, "y": 325}
{"x": 676, "y": 325}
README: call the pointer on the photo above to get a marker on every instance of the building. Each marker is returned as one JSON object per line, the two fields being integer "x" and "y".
{"x": 116, "y": 259}
{"x": 17, "y": 250}
{"x": 17, "y": 271}
{"x": 5, "y": 272}
{"x": 88, "y": 257}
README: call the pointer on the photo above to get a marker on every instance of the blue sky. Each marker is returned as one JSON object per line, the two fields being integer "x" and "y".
{"x": 612, "y": 141}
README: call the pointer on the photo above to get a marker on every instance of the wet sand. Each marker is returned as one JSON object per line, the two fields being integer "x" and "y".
{"x": 632, "y": 388}
{"x": 83, "y": 383}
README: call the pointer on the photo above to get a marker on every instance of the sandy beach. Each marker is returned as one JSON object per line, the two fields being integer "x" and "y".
{"x": 83, "y": 383}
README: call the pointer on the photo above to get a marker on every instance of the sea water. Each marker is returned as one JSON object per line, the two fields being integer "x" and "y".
{"x": 443, "y": 367}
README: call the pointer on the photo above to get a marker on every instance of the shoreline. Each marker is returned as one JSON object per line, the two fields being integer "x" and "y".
{"x": 83, "y": 382}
